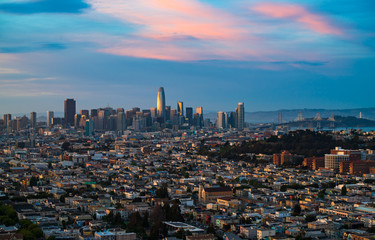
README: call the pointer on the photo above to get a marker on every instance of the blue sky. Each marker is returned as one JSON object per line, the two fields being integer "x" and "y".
{"x": 269, "y": 54}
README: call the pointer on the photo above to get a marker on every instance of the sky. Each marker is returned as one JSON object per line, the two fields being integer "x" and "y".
{"x": 269, "y": 54}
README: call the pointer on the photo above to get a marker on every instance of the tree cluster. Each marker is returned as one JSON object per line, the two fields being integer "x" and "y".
{"x": 302, "y": 142}
{"x": 29, "y": 230}
{"x": 159, "y": 214}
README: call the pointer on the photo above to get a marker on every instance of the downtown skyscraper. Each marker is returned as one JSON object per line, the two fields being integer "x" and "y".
{"x": 50, "y": 116}
{"x": 33, "y": 119}
{"x": 180, "y": 108}
{"x": 240, "y": 116}
{"x": 69, "y": 111}
{"x": 161, "y": 105}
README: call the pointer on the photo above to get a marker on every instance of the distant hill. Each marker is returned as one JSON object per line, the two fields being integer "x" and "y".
{"x": 290, "y": 115}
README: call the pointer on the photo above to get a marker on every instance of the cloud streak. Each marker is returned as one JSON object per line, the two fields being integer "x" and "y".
{"x": 188, "y": 30}
{"x": 293, "y": 12}
{"x": 176, "y": 30}
{"x": 44, "y": 6}
{"x": 32, "y": 48}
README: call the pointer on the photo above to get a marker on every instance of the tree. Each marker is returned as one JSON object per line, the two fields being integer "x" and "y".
{"x": 162, "y": 192}
{"x": 25, "y": 223}
{"x": 174, "y": 214}
{"x": 310, "y": 218}
{"x": 37, "y": 232}
{"x": 211, "y": 229}
{"x": 180, "y": 234}
{"x": 296, "y": 210}
{"x": 135, "y": 223}
{"x": 5, "y": 220}
{"x": 145, "y": 223}
{"x": 33, "y": 181}
{"x": 157, "y": 230}
{"x": 344, "y": 191}
{"x": 27, "y": 235}
{"x": 65, "y": 146}
{"x": 321, "y": 194}
{"x": 157, "y": 214}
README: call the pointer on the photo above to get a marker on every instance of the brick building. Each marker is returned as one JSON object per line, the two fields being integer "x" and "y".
{"x": 314, "y": 163}
{"x": 212, "y": 194}
{"x": 281, "y": 158}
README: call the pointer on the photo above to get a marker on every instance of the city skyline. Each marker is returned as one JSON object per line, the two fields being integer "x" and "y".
{"x": 270, "y": 55}
{"x": 70, "y": 105}
{"x": 120, "y": 119}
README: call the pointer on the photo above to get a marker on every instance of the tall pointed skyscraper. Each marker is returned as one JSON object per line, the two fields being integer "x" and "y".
{"x": 161, "y": 104}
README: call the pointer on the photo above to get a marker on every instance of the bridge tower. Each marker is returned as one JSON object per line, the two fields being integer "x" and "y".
{"x": 332, "y": 120}
{"x": 299, "y": 117}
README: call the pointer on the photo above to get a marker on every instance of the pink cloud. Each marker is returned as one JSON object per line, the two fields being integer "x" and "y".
{"x": 178, "y": 30}
{"x": 299, "y": 14}
{"x": 165, "y": 18}
{"x": 185, "y": 30}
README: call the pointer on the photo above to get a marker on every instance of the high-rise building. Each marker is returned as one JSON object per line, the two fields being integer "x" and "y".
{"x": 153, "y": 112}
{"x": 85, "y": 113}
{"x": 89, "y": 128}
{"x": 77, "y": 120}
{"x": 180, "y": 108}
{"x": 136, "y": 109}
{"x": 189, "y": 114}
{"x": 121, "y": 123}
{"x": 8, "y": 122}
{"x": 82, "y": 122}
{"x": 69, "y": 111}
{"x": 7, "y": 118}
{"x": 167, "y": 113}
{"x": 226, "y": 120}
{"x": 199, "y": 110}
{"x": 236, "y": 118}
{"x": 102, "y": 120}
{"x": 50, "y": 115}
{"x": 111, "y": 124}
{"x": 220, "y": 122}
{"x": 161, "y": 104}
{"x": 33, "y": 119}
{"x": 94, "y": 113}
{"x": 173, "y": 117}
{"x": 200, "y": 120}
{"x": 232, "y": 120}
{"x": 57, "y": 121}
{"x": 241, "y": 116}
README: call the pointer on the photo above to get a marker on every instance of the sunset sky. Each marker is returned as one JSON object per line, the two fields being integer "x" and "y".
{"x": 212, "y": 53}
